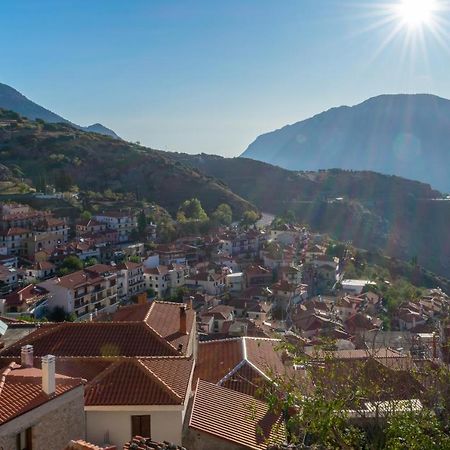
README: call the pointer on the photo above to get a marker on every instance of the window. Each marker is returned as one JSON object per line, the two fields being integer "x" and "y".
{"x": 140, "y": 426}
{"x": 24, "y": 440}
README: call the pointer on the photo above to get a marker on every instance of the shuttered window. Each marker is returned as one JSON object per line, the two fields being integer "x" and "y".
{"x": 140, "y": 426}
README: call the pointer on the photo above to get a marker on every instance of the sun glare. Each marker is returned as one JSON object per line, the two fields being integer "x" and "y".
{"x": 415, "y": 23}
{"x": 416, "y": 12}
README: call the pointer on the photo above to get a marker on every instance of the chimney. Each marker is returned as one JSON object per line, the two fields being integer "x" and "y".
{"x": 183, "y": 324}
{"x": 26, "y": 356}
{"x": 48, "y": 374}
{"x": 191, "y": 303}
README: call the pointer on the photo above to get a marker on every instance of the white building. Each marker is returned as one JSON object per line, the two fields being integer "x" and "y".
{"x": 355, "y": 286}
{"x": 130, "y": 279}
{"x": 235, "y": 281}
{"x": 165, "y": 280}
{"x": 88, "y": 291}
{"x": 122, "y": 222}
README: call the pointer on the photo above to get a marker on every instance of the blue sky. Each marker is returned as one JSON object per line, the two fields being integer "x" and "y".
{"x": 207, "y": 76}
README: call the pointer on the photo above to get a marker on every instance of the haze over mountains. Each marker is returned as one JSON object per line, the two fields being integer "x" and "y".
{"x": 403, "y": 218}
{"x": 405, "y": 135}
{"x": 13, "y": 100}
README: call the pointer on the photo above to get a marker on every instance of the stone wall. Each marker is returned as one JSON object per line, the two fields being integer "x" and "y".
{"x": 53, "y": 424}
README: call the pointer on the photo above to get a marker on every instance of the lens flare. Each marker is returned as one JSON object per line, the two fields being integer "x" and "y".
{"x": 416, "y": 13}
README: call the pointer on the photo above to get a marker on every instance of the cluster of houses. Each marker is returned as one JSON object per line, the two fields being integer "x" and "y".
{"x": 170, "y": 343}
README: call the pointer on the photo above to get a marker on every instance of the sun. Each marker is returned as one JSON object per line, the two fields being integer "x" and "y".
{"x": 415, "y": 13}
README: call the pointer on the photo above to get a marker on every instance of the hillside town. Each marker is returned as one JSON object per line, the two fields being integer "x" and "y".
{"x": 115, "y": 338}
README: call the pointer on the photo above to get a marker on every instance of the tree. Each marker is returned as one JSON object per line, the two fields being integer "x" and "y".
{"x": 223, "y": 215}
{"x": 416, "y": 431}
{"x": 249, "y": 218}
{"x": 337, "y": 249}
{"x": 70, "y": 264}
{"x": 192, "y": 210}
{"x": 333, "y": 403}
{"x": 166, "y": 231}
{"x": 142, "y": 223}
{"x": 179, "y": 294}
{"x": 63, "y": 181}
{"x": 58, "y": 314}
{"x": 90, "y": 262}
{"x": 86, "y": 215}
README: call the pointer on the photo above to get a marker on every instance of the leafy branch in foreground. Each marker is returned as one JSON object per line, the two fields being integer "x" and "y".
{"x": 373, "y": 401}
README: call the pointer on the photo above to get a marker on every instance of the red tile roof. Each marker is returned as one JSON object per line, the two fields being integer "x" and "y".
{"x": 234, "y": 417}
{"x": 215, "y": 359}
{"x": 220, "y": 312}
{"x": 129, "y": 265}
{"x": 252, "y": 360}
{"x": 164, "y": 319}
{"x": 148, "y": 330}
{"x": 43, "y": 265}
{"x": 21, "y": 390}
{"x": 132, "y": 381}
{"x": 127, "y": 381}
{"x": 94, "y": 339}
{"x": 245, "y": 379}
{"x": 14, "y": 232}
{"x": 26, "y": 294}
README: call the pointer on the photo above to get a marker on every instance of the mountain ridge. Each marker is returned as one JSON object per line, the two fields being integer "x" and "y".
{"x": 394, "y": 134}
{"x": 13, "y": 100}
{"x": 58, "y": 154}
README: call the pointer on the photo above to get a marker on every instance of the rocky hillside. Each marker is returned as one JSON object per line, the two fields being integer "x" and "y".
{"x": 13, "y": 100}
{"x": 64, "y": 156}
{"x": 405, "y": 135}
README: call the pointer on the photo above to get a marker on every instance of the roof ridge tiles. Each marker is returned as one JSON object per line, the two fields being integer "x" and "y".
{"x": 149, "y": 312}
{"x": 221, "y": 340}
{"x": 167, "y": 303}
{"x": 159, "y": 380}
{"x": 232, "y": 372}
{"x": 5, "y": 373}
{"x": 160, "y": 337}
{"x": 103, "y": 374}
{"x": 38, "y": 333}
{"x": 259, "y": 338}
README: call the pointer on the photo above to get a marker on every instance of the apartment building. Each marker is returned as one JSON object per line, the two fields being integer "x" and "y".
{"x": 165, "y": 280}
{"x": 122, "y": 222}
{"x": 89, "y": 291}
{"x": 13, "y": 241}
{"x": 130, "y": 279}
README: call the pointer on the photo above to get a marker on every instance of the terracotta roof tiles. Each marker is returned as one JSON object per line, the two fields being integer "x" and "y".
{"x": 239, "y": 363}
{"x": 133, "y": 382}
{"x": 234, "y": 417}
{"x": 94, "y": 339}
{"x": 215, "y": 359}
{"x": 21, "y": 390}
{"x": 141, "y": 330}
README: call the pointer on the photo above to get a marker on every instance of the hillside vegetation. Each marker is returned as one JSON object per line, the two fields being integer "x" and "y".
{"x": 13, "y": 100}
{"x": 66, "y": 157}
{"x": 403, "y": 218}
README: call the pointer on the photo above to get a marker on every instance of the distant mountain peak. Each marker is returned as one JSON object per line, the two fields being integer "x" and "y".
{"x": 395, "y": 134}
{"x": 13, "y": 100}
